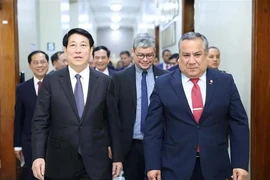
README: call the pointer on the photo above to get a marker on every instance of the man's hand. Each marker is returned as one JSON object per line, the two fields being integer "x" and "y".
{"x": 239, "y": 174}
{"x": 19, "y": 155}
{"x": 109, "y": 152}
{"x": 116, "y": 169}
{"x": 38, "y": 168}
{"x": 154, "y": 175}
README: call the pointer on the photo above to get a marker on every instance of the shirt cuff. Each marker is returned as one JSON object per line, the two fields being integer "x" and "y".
{"x": 17, "y": 148}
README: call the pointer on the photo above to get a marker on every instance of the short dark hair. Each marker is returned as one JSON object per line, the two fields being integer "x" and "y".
{"x": 175, "y": 55}
{"x": 102, "y": 48}
{"x": 78, "y": 31}
{"x": 36, "y": 52}
{"x": 165, "y": 50}
{"x": 56, "y": 55}
{"x": 125, "y": 52}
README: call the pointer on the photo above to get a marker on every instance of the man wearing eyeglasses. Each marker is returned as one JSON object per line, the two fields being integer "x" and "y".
{"x": 132, "y": 88}
{"x": 26, "y": 96}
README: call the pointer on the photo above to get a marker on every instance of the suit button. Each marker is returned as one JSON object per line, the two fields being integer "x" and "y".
{"x": 198, "y": 127}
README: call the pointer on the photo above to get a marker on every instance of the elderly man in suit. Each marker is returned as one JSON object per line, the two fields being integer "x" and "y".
{"x": 74, "y": 119}
{"x": 26, "y": 96}
{"x": 186, "y": 126}
{"x": 132, "y": 88}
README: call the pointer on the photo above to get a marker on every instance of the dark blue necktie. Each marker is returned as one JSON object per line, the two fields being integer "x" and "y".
{"x": 78, "y": 94}
{"x": 144, "y": 100}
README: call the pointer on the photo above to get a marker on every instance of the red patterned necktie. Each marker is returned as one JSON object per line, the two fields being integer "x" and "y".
{"x": 167, "y": 67}
{"x": 39, "y": 85}
{"x": 197, "y": 101}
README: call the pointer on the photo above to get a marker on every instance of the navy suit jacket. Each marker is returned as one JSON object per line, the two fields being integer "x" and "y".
{"x": 24, "y": 110}
{"x": 111, "y": 72}
{"x": 171, "y": 143}
{"x": 174, "y": 68}
{"x": 160, "y": 65}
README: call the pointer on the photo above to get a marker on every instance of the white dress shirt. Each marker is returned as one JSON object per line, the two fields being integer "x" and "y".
{"x": 106, "y": 71}
{"x": 85, "y": 76}
{"x": 187, "y": 85}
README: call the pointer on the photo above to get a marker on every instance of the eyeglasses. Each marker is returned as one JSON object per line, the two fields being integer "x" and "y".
{"x": 142, "y": 56}
{"x": 42, "y": 62}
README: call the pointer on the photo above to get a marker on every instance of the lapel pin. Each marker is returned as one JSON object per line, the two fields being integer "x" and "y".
{"x": 211, "y": 82}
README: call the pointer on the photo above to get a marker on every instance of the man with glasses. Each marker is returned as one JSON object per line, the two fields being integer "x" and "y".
{"x": 132, "y": 88}
{"x": 26, "y": 96}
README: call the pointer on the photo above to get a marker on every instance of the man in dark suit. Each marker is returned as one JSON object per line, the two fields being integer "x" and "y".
{"x": 132, "y": 88}
{"x": 26, "y": 95}
{"x": 101, "y": 55}
{"x": 186, "y": 126}
{"x": 58, "y": 61}
{"x": 166, "y": 54}
{"x": 74, "y": 119}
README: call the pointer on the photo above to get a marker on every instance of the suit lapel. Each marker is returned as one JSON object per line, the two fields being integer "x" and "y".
{"x": 92, "y": 88}
{"x": 32, "y": 90}
{"x": 157, "y": 72}
{"x": 65, "y": 82}
{"x": 132, "y": 80}
{"x": 176, "y": 82}
{"x": 211, "y": 84}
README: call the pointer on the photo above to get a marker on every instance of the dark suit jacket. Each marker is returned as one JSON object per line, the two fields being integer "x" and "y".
{"x": 174, "y": 68}
{"x": 24, "y": 111}
{"x": 111, "y": 72}
{"x": 123, "y": 87}
{"x": 174, "y": 153}
{"x": 58, "y": 131}
{"x": 160, "y": 65}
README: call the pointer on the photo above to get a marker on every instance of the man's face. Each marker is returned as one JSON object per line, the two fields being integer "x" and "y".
{"x": 61, "y": 62}
{"x": 39, "y": 65}
{"x": 213, "y": 58}
{"x": 101, "y": 59}
{"x": 78, "y": 51}
{"x": 144, "y": 57}
{"x": 192, "y": 58}
{"x": 126, "y": 60}
{"x": 166, "y": 56}
{"x": 173, "y": 62}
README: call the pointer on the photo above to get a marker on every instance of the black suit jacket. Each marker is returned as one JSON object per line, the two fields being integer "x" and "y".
{"x": 123, "y": 87}
{"x": 58, "y": 131}
{"x": 24, "y": 110}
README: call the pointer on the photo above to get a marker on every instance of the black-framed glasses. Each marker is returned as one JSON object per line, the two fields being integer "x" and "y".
{"x": 142, "y": 56}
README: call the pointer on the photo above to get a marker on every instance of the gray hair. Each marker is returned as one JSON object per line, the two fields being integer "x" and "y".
{"x": 143, "y": 40}
{"x": 193, "y": 36}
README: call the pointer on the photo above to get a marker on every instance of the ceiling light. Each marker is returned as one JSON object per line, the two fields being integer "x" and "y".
{"x": 116, "y": 18}
{"x": 85, "y": 25}
{"x": 83, "y": 18}
{"x": 115, "y": 26}
{"x": 116, "y": 7}
{"x": 65, "y": 18}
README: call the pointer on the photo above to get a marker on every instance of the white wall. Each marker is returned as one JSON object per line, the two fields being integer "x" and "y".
{"x": 227, "y": 25}
{"x": 28, "y": 29}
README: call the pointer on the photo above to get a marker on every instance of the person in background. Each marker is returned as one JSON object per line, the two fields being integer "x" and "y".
{"x": 166, "y": 63}
{"x": 126, "y": 59}
{"x": 156, "y": 60}
{"x": 132, "y": 88}
{"x": 186, "y": 126}
{"x": 75, "y": 118}
{"x": 213, "y": 58}
{"x": 101, "y": 56}
{"x": 26, "y": 96}
{"x": 119, "y": 65}
{"x": 91, "y": 62}
{"x": 58, "y": 60}
{"x": 173, "y": 60}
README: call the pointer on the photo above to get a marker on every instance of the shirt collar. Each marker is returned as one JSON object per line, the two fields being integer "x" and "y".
{"x": 106, "y": 71}
{"x": 139, "y": 70}
{"x": 84, "y": 73}
{"x": 185, "y": 79}
{"x": 36, "y": 80}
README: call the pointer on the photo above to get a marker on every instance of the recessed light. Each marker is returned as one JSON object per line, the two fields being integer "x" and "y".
{"x": 116, "y": 7}
{"x": 115, "y": 26}
{"x": 116, "y": 18}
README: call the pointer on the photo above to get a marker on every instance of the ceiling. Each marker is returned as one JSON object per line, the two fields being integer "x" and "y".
{"x": 132, "y": 12}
